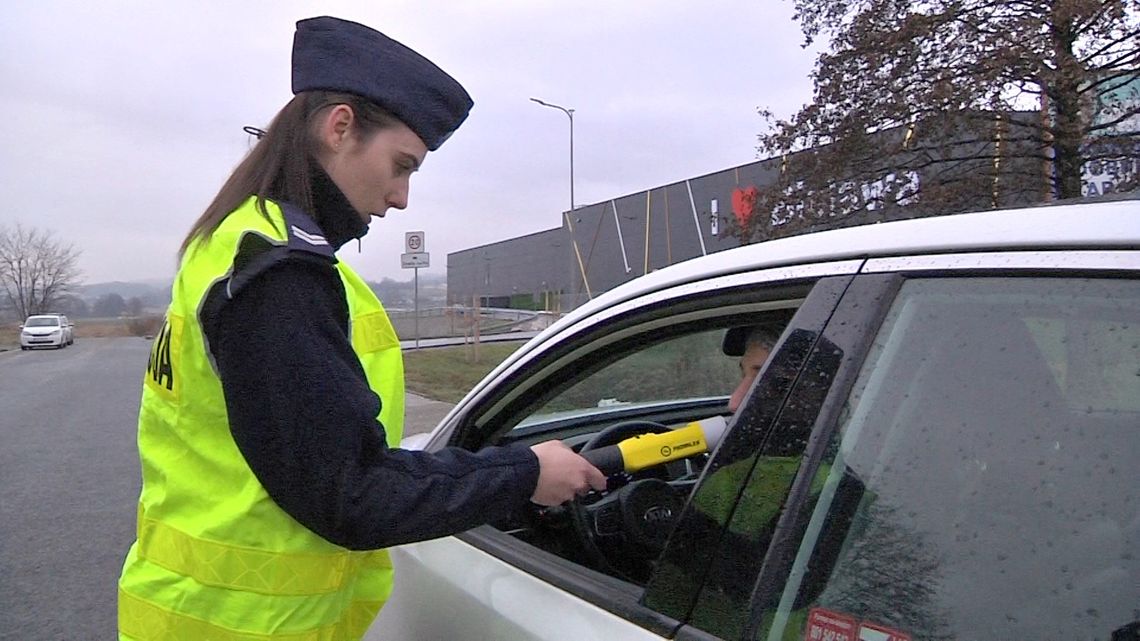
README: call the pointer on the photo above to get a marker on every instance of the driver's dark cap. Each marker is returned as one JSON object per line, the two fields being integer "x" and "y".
{"x": 330, "y": 54}
{"x": 737, "y": 339}
{"x": 734, "y": 341}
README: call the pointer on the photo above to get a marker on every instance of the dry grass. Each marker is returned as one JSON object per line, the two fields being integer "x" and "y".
{"x": 447, "y": 373}
{"x": 115, "y": 327}
{"x": 9, "y": 336}
{"x": 101, "y": 328}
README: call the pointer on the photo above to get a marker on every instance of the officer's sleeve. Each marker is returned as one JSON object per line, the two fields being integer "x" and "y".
{"x": 304, "y": 418}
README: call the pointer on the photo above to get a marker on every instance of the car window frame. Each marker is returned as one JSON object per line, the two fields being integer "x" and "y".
{"x": 478, "y": 422}
{"x": 614, "y": 595}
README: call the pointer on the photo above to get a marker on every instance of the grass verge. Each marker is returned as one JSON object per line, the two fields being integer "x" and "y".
{"x": 448, "y": 373}
{"x": 9, "y": 337}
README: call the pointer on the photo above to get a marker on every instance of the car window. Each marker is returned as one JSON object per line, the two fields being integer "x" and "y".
{"x": 1092, "y": 360}
{"x": 981, "y": 484}
{"x": 686, "y": 367}
{"x": 42, "y": 321}
{"x": 654, "y": 371}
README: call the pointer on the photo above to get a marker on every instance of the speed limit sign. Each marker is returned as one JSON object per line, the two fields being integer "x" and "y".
{"x": 414, "y": 241}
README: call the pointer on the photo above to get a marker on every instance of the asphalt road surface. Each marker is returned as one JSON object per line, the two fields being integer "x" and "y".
{"x": 69, "y": 483}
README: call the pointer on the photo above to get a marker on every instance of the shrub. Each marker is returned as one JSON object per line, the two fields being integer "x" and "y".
{"x": 144, "y": 325}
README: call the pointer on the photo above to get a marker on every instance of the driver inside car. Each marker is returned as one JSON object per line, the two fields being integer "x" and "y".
{"x": 749, "y": 528}
{"x": 753, "y": 344}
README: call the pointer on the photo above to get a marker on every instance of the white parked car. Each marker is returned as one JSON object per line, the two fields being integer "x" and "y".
{"x": 46, "y": 330}
{"x": 943, "y": 444}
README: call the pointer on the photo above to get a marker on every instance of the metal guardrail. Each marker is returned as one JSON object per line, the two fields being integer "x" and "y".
{"x": 455, "y": 341}
{"x": 457, "y": 322}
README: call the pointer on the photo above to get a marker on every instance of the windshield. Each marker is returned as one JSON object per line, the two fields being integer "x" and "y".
{"x": 42, "y": 321}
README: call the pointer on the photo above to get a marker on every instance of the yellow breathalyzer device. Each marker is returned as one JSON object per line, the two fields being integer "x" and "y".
{"x": 647, "y": 450}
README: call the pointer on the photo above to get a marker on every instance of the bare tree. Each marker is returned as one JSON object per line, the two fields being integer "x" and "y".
{"x": 36, "y": 269}
{"x": 951, "y": 104}
{"x": 134, "y": 307}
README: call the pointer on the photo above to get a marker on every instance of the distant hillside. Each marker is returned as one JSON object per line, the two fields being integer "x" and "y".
{"x": 402, "y": 294}
{"x": 132, "y": 289}
{"x": 431, "y": 279}
{"x": 156, "y": 294}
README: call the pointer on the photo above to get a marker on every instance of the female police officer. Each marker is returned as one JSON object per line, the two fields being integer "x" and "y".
{"x": 273, "y": 401}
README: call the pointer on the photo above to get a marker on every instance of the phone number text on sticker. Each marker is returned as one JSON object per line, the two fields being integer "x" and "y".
{"x": 825, "y": 625}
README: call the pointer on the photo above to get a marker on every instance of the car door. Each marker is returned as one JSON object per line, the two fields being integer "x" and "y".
{"x": 647, "y": 358}
{"x": 959, "y": 463}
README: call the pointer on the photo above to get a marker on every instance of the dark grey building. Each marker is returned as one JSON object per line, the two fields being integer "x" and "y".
{"x": 620, "y": 239}
{"x": 528, "y": 272}
{"x": 963, "y": 162}
{"x": 602, "y": 245}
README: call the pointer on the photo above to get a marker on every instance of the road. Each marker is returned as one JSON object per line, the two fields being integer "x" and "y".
{"x": 69, "y": 483}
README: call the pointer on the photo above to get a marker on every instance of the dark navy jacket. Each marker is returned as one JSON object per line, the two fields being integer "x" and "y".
{"x": 287, "y": 305}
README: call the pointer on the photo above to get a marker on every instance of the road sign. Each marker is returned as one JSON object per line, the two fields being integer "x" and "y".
{"x": 413, "y": 241}
{"x": 415, "y": 259}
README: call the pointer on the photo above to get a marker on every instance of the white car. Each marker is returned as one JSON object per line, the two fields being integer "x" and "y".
{"x": 46, "y": 330}
{"x": 942, "y": 445}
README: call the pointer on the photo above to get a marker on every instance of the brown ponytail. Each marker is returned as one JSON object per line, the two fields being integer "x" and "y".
{"x": 281, "y": 165}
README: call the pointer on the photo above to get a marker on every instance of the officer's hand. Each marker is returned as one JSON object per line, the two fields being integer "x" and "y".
{"x": 562, "y": 474}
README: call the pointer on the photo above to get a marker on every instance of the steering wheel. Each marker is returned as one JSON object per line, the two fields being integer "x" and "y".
{"x": 624, "y": 528}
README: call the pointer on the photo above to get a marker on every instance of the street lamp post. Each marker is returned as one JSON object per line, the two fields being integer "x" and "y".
{"x": 569, "y": 114}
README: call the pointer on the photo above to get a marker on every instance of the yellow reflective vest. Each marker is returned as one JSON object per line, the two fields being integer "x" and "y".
{"x": 216, "y": 559}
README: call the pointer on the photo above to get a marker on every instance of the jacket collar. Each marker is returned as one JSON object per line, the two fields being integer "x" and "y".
{"x": 332, "y": 212}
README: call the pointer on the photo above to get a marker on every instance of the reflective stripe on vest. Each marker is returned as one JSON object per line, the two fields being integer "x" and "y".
{"x": 241, "y": 568}
{"x": 216, "y": 558}
{"x": 139, "y": 619}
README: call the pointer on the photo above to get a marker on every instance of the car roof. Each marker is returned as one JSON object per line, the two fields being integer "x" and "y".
{"x": 1106, "y": 223}
{"x": 1112, "y": 223}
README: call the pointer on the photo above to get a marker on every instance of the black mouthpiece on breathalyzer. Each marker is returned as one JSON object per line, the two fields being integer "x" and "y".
{"x": 607, "y": 459}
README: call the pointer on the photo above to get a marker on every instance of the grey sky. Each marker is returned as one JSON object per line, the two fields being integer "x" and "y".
{"x": 121, "y": 119}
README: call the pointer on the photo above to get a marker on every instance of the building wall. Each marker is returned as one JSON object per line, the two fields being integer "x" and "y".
{"x": 535, "y": 266}
{"x": 609, "y": 243}
{"x": 605, "y": 244}
{"x": 623, "y": 238}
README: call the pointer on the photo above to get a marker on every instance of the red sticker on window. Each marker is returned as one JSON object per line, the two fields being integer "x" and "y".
{"x": 825, "y": 625}
{"x": 873, "y": 632}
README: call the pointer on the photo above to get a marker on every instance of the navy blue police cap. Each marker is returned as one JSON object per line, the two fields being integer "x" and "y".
{"x": 330, "y": 54}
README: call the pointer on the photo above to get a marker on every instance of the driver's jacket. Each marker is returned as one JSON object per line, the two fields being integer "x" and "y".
{"x": 216, "y": 558}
